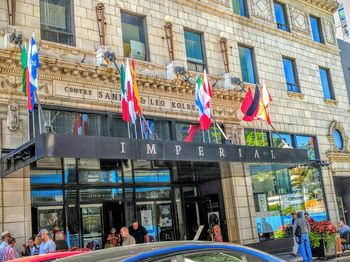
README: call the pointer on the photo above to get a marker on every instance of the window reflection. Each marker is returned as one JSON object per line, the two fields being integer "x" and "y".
{"x": 308, "y": 143}
{"x": 279, "y": 190}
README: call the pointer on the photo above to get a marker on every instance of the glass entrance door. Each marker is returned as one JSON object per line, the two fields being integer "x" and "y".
{"x": 157, "y": 218}
{"x": 92, "y": 226}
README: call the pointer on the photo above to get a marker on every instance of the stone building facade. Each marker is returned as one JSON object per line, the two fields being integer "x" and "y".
{"x": 341, "y": 21}
{"x": 69, "y": 78}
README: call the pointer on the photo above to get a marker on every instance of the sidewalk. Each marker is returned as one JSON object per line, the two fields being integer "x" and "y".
{"x": 288, "y": 257}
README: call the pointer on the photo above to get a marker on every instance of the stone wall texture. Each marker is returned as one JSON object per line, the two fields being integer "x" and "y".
{"x": 308, "y": 113}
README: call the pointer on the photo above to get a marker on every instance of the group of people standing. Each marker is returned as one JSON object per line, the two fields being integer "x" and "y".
{"x": 40, "y": 244}
{"x": 135, "y": 234}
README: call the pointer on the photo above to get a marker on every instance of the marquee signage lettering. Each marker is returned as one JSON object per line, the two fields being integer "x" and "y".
{"x": 123, "y": 148}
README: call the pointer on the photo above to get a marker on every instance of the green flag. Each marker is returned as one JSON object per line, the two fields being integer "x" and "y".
{"x": 24, "y": 58}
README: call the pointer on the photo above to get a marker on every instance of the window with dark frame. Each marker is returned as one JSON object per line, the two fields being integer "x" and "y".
{"x": 290, "y": 75}
{"x": 195, "y": 51}
{"x": 134, "y": 36}
{"x": 239, "y": 7}
{"x": 281, "y": 17}
{"x": 56, "y": 21}
{"x": 246, "y": 57}
{"x": 327, "y": 87}
{"x": 316, "y": 29}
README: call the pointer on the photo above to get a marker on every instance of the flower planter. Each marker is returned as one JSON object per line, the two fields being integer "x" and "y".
{"x": 325, "y": 252}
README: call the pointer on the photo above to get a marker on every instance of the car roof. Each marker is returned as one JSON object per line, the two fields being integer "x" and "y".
{"x": 45, "y": 257}
{"x": 143, "y": 251}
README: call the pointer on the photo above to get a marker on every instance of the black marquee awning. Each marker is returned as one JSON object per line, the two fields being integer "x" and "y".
{"x": 72, "y": 146}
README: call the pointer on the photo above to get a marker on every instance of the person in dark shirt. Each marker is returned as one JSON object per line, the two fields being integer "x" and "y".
{"x": 138, "y": 232}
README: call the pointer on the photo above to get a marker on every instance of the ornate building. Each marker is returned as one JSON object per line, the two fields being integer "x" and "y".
{"x": 289, "y": 45}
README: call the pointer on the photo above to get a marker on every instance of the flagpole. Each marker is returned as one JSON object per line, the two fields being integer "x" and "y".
{"x": 256, "y": 143}
{"x": 141, "y": 128}
{"x": 209, "y": 140}
{"x": 203, "y": 136}
{"x": 129, "y": 134}
{"x": 153, "y": 135}
{"x": 216, "y": 123}
{"x": 135, "y": 130}
{"x": 289, "y": 146}
{"x": 216, "y": 135}
{"x": 262, "y": 132}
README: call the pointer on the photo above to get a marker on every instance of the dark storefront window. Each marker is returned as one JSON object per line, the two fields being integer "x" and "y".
{"x": 256, "y": 138}
{"x": 134, "y": 36}
{"x": 42, "y": 197}
{"x": 49, "y": 177}
{"x": 75, "y": 123}
{"x": 278, "y": 191}
{"x": 192, "y": 133}
{"x": 56, "y": 21}
{"x": 308, "y": 143}
{"x": 152, "y": 192}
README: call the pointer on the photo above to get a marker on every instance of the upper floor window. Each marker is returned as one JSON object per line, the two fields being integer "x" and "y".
{"x": 194, "y": 51}
{"x": 290, "y": 75}
{"x": 326, "y": 83}
{"x": 316, "y": 29}
{"x": 56, "y": 21}
{"x": 239, "y": 7}
{"x": 134, "y": 36}
{"x": 281, "y": 18}
{"x": 341, "y": 13}
{"x": 247, "y": 64}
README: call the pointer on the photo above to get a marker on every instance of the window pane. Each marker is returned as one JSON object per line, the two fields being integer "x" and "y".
{"x": 193, "y": 44}
{"x": 288, "y": 66}
{"x": 338, "y": 139}
{"x": 134, "y": 39}
{"x": 325, "y": 84}
{"x": 45, "y": 177}
{"x": 279, "y": 190}
{"x": 342, "y": 16}
{"x": 256, "y": 139}
{"x": 55, "y": 16}
{"x": 308, "y": 143}
{"x": 152, "y": 192}
{"x": 49, "y": 197}
{"x": 101, "y": 194}
{"x": 277, "y": 140}
{"x": 238, "y": 7}
{"x": 280, "y": 17}
{"x": 315, "y": 26}
{"x": 247, "y": 67}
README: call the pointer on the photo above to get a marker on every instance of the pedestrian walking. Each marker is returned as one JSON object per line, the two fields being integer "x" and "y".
{"x": 295, "y": 242}
{"x": 301, "y": 230}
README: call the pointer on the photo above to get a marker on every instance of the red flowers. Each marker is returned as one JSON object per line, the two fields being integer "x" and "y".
{"x": 324, "y": 226}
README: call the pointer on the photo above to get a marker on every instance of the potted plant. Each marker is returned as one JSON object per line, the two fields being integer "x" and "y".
{"x": 323, "y": 239}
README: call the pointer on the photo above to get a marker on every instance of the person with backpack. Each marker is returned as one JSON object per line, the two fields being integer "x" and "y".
{"x": 301, "y": 230}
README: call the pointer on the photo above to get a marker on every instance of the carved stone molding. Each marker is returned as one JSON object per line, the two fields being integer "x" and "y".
{"x": 336, "y": 125}
{"x": 262, "y": 9}
{"x": 299, "y": 20}
{"x": 296, "y": 95}
{"x": 332, "y": 102}
{"x": 329, "y": 32}
{"x": 12, "y": 117}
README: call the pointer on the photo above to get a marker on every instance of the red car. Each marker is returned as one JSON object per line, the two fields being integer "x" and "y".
{"x": 49, "y": 257}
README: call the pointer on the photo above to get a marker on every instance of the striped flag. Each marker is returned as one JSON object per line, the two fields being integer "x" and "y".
{"x": 129, "y": 83}
{"x": 136, "y": 97}
{"x": 265, "y": 99}
{"x": 202, "y": 97}
{"x": 33, "y": 66}
{"x": 124, "y": 96}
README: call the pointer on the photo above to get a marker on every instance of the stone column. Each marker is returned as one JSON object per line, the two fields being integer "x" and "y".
{"x": 239, "y": 203}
